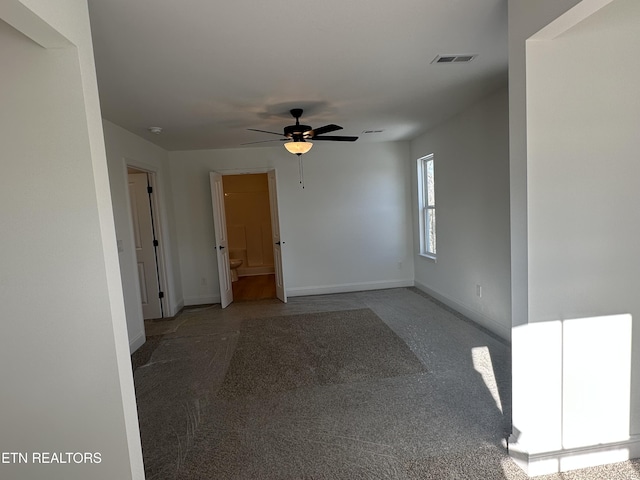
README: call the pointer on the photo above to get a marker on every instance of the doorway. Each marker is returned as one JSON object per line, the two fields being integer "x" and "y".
{"x": 247, "y": 236}
{"x": 248, "y": 222}
{"x": 146, "y": 236}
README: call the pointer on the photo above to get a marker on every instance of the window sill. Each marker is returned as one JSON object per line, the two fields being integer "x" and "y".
{"x": 428, "y": 257}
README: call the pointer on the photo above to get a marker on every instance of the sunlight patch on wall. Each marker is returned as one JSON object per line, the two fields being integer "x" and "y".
{"x": 571, "y": 392}
{"x": 596, "y": 380}
{"x": 537, "y": 386}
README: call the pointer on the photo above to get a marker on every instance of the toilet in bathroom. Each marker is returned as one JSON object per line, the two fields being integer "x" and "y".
{"x": 234, "y": 263}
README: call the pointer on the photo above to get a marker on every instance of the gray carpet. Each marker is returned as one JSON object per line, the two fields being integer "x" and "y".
{"x": 287, "y": 352}
{"x": 367, "y": 385}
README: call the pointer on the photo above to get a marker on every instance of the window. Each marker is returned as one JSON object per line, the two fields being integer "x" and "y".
{"x": 427, "y": 206}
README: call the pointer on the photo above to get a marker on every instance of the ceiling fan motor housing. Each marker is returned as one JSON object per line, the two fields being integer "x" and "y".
{"x": 296, "y": 132}
{"x": 302, "y": 133}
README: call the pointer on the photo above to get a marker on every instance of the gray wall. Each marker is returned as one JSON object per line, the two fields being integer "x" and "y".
{"x": 574, "y": 144}
{"x": 472, "y": 208}
{"x": 65, "y": 370}
{"x": 124, "y": 148}
{"x": 583, "y": 215}
{"x": 349, "y": 229}
{"x": 525, "y": 19}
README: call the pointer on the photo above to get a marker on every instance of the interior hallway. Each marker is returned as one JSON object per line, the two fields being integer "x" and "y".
{"x": 431, "y": 403}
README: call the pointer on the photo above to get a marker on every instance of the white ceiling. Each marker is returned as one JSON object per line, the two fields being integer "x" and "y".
{"x": 207, "y": 70}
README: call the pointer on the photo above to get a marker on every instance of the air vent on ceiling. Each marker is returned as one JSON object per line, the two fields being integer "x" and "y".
{"x": 373, "y": 131}
{"x": 453, "y": 58}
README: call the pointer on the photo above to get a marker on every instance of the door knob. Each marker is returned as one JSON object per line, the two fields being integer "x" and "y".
{"x": 221, "y": 247}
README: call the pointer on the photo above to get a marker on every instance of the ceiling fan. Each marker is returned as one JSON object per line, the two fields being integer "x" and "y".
{"x": 297, "y": 136}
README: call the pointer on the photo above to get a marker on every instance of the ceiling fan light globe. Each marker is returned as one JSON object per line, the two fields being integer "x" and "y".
{"x": 298, "y": 148}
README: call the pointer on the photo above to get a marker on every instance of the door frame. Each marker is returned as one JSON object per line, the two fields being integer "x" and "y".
{"x": 265, "y": 170}
{"x": 221, "y": 239}
{"x": 158, "y": 220}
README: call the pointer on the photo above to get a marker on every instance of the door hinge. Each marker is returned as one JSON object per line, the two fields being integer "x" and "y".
{"x": 160, "y": 294}
{"x": 155, "y": 243}
{"x": 149, "y": 189}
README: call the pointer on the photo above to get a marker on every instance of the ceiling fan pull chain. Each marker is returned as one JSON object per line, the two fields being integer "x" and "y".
{"x": 301, "y": 170}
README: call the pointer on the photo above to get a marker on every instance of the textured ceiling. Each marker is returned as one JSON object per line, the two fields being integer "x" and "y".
{"x": 206, "y": 71}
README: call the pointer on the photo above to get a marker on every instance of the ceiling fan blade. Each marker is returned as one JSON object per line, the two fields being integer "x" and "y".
{"x": 325, "y": 129}
{"x": 264, "y": 131}
{"x": 265, "y": 141}
{"x": 335, "y": 139}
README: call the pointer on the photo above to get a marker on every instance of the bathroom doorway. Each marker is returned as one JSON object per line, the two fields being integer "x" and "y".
{"x": 248, "y": 240}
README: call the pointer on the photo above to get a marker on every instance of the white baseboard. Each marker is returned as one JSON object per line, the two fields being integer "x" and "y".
{"x": 546, "y": 463}
{"x": 136, "y": 342}
{"x": 176, "y": 308}
{"x": 481, "y": 319}
{"x": 204, "y": 300}
{"x": 347, "y": 287}
{"x": 315, "y": 290}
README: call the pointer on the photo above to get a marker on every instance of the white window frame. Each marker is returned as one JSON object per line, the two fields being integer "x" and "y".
{"x": 427, "y": 207}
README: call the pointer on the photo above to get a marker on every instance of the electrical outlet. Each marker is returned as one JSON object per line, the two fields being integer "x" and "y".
{"x": 203, "y": 282}
{"x": 479, "y": 291}
{"x": 399, "y": 265}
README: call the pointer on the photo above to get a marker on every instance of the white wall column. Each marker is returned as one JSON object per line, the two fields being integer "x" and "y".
{"x": 65, "y": 370}
{"x": 574, "y": 116}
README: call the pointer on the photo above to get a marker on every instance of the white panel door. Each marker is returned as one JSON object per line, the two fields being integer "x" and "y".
{"x": 277, "y": 241}
{"x": 222, "y": 242}
{"x": 143, "y": 241}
